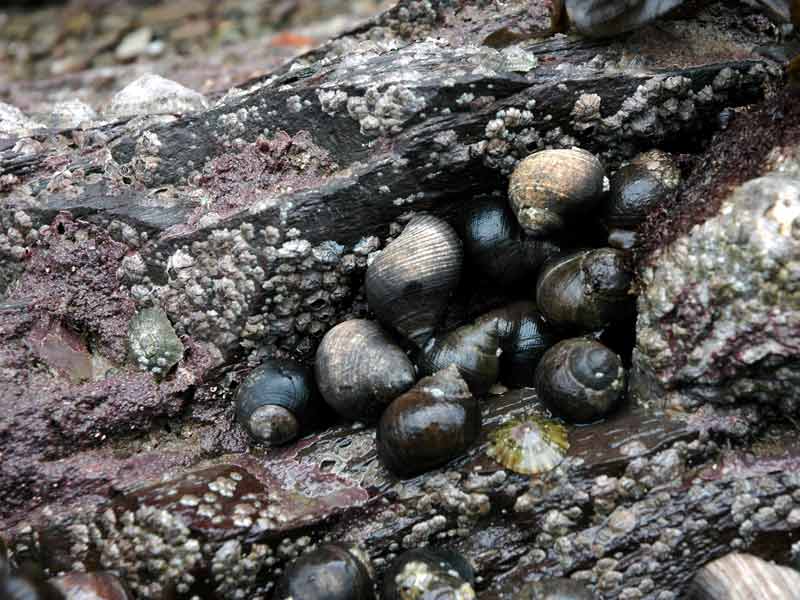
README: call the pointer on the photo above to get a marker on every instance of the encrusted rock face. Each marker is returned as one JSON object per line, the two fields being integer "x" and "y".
{"x": 719, "y": 316}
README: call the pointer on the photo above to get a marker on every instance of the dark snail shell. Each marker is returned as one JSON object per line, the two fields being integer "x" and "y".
{"x": 276, "y": 401}
{"x": 605, "y": 18}
{"x": 586, "y": 290}
{"x": 551, "y": 186}
{"x": 744, "y": 577}
{"x": 507, "y": 341}
{"x": 91, "y": 586}
{"x": 429, "y": 574}
{"x": 555, "y": 589}
{"x": 496, "y": 246}
{"x": 428, "y": 426}
{"x": 409, "y": 282}
{"x": 331, "y": 572}
{"x": 581, "y": 380}
{"x": 359, "y": 369}
{"x": 28, "y": 584}
{"x": 636, "y": 189}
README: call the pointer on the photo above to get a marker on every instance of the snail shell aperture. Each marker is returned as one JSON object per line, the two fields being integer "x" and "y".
{"x": 359, "y": 369}
{"x": 636, "y": 189}
{"x": 275, "y": 401}
{"x": 605, "y": 18}
{"x": 431, "y": 424}
{"x": 409, "y": 282}
{"x": 429, "y": 574}
{"x": 586, "y": 290}
{"x": 331, "y": 572}
{"x": 557, "y": 588}
{"x": 496, "y": 246}
{"x": 552, "y": 185}
{"x": 529, "y": 446}
{"x": 581, "y": 380}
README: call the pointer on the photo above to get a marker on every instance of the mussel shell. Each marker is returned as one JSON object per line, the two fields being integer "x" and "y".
{"x": 331, "y": 572}
{"x": 359, "y": 369}
{"x": 581, "y": 380}
{"x": 555, "y": 589}
{"x": 435, "y": 571}
{"x": 473, "y": 348}
{"x": 586, "y": 290}
{"x": 409, "y": 282}
{"x": 550, "y": 186}
{"x": 428, "y": 426}
{"x": 497, "y": 248}
{"x": 276, "y": 400}
{"x": 606, "y": 18}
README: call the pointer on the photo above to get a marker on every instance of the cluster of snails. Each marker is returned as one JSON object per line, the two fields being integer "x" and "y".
{"x": 551, "y": 340}
{"x": 344, "y": 572}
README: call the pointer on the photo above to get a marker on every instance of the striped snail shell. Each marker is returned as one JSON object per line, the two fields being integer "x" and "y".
{"x": 744, "y": 577}
{"x": 605, "y": 18}
{"x": 409, "y": 283}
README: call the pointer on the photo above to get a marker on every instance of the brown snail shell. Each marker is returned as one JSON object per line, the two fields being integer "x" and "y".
{"x": 429, "y": 574}
{"x": 605, "y": 18}
{"x": 428, "y": 426}
{"x": 586, "y": 290}
{"x": 744, "y": 577}
{"x": 524, "y": 343}
{"x": 276, "y": 401}
{"x": 550, "y": 186}
{"x": 331, "y": 572}
{"x": 409, "y": 282}
{"x": 557, "y": 588}
{"x": 636, "y": 189}
{"x": 580, "y": 380}
{"x": 360, "y": 370}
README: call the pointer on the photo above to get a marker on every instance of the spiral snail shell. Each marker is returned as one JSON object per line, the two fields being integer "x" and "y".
{"x": 497, "y": 248}
{"x": 359, "y": 369}
{"x": 429, "y": 574}
{"x": 605, "y": 18}
{"x": 331, "y": 572}
{"x": 431, "y": 424}
{"x": 276, "y": 401}
{"x": 581, "y": 380}
{"x": 586, "y": 290}
{"x": 550, "y": 186}
{"x": 409, "y": 283}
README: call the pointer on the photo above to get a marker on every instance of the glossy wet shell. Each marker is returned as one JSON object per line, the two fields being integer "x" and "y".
{"x": 429, "y": 574}
{"x": 91, "y": 586}
{"x": 555, "y": 589}
{"x": 529, "y": 338}
{"x": 153, "y": 343}
{"x": 550, "y": 186}
{"x": 28, "y": 586}
{"x": 497, "y": 249}
{"x": 359, "y": 369}
{"x": 409, "y": 283}
{"x": 331, "y": 572}
{"x": 275, "y": 401}
{"x": 529, "y": 446}
{"x": 587, "y": 290}
{"x": 581, "y": 380}
{"x": 606, "y": 18}
{"x": 428, "y": 426}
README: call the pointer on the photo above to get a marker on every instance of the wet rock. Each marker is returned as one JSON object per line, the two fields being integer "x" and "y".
{"x": 152, "y": 94}
{"x": 13, "y": 123}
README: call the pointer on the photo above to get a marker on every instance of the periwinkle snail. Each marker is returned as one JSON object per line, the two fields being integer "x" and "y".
{"x": 551, "y": 186}
{"x": 580, "y": 380}
{"x": 276, "y": 401}
{"x": 508, "y": 340}
{"x": 557, "y": 588}
{"x": 28, "y": 584}
{"x": 409, "y": 282}
{"x": 331, "y": 572}
{"x": 529, "y": 446}
{"x": 497, "y": 248}
{"x": 636, "y": 189}
{"x": 429, "y": 574}
{"x": 604, "y": 18}
{"x": 359, "y": 369}
{"x": 431, "y": 424}
{"x": 586, "y": 290}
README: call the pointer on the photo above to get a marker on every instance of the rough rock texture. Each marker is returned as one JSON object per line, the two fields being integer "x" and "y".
{"x": 718, "y": 313}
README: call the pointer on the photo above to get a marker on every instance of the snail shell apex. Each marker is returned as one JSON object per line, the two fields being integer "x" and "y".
{"x": 549, "y": 186}
{"x": 529, "y": 446}
{"x": 360, "y": 370}
{"x": 409, "y": 282}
